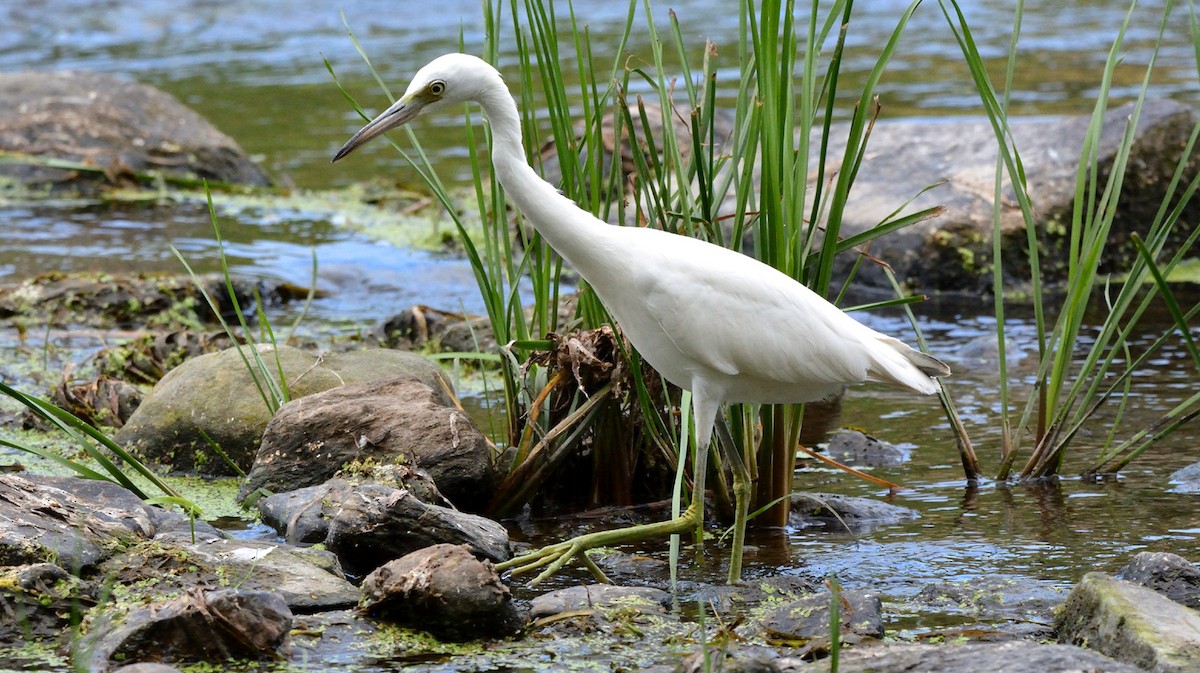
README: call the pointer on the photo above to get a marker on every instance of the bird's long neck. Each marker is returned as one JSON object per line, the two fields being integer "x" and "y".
{"x": 570, "y": 230}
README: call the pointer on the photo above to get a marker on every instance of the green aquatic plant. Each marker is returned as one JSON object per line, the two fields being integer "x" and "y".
{"x": 1070, "y": 389}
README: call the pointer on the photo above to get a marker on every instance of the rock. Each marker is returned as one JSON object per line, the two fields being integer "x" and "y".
{"x": 38, "y": 601}
{"x": 1007, "y": 657}
{"x": 375, "y": 524}
{"x": 40, "y": 522}
{"x": 1132, "y": 624}
{"x": 118, "y": 127}
{"x": 845, "y": 513}
{"x": 726, "y": 658}
{"x": 952, "y": 253}
{"x": 857, "y": 449}
{"x": 805, "y": 620}
{"x": 306, "y": 579}
{"x": 445, "y": 590}
{"x": 421, "y": 327}
{"x": 395, "y": 420}
{"x": 1186, "y": 480}
{"x": 303, "y": 515}
{"x": 1006, "y": 607}
{"x": 1169, "y": 574}
{"x": 589, "y": 597}
{"x": 216, "y": 394}
{"x": 207, "y": 626}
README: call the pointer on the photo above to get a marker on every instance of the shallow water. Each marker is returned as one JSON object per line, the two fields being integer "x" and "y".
{"x": 254, "y": 69}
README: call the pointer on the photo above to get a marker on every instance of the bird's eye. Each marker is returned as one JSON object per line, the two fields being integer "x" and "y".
{"x": 437, "y": 88}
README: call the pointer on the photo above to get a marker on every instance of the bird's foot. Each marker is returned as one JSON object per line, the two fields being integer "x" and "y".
{"x": 551, "y": 558}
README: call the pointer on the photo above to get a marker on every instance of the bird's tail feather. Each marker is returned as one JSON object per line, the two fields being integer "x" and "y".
{"x": 909, "y": 368}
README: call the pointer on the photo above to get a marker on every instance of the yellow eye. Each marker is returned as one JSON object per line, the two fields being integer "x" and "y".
{"x": 437, "y": 88}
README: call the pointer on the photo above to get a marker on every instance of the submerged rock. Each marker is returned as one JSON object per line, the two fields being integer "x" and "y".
{"x": 201, "y": 626}
{"x": 804, "y": 622}
{"x": 844, "y": 513}
{"x": 1186, "y": 480}
{"x": 445, "y": 590}
{"x": 216, "y": 395}
{"x": 593, "y": 596}
{"x": 1002, "y": 607}
{"x": 1132, "y": 624}
{"x": 858, "y": 449}
{"x": 398, "y": 420}
{"x": 116, "y": 127}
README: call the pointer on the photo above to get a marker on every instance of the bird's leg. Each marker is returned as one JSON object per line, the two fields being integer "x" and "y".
{"x": 553, "y": 557}
{"x": 741, "y": 499}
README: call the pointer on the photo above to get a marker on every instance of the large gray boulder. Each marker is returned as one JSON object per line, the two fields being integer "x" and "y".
{"x": 953, "y": 252}
{"x": 215, "y": 395}
{"x": 118, "y": 127}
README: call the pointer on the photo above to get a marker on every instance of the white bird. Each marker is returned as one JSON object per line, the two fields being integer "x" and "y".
{"x": 713, "y": 321}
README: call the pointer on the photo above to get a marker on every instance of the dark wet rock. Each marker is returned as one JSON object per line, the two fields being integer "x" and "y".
{"x": 1003, "y": 607}
{"x": 376, "y": 524}
{"x": 1186, "y": 480}
{"x": 728, "y": 658}
{"x": 844, "y": 513}
{"x": 215, "y": 394}
{"x": 40, "y": 522}
{"x": 595, "y": 596}
{"x": 303, "y": 515}
{"x": 953, "y": 252}
{"x": 116, "y": 127}
{"x": 445, "y": 590}
{"x": 200, "y": 626}
{"x": 1169, "y": 574}
{"x": 422, "y": 327}
{"x": 306, "y": 579}
{"x": 38, "y": 601}
{"x": 1007, "y": 657}
{"x": 857, "y": 449}
{"x": 1131, "y": 623}
{"x": 804, "y": 622}
{"x": 398, "y": 420}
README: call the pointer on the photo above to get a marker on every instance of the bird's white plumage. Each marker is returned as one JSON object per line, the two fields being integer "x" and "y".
{"x": 710, "y": 320}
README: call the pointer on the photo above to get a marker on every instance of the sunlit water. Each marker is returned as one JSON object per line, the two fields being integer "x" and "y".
{"x": 255, "y": 69}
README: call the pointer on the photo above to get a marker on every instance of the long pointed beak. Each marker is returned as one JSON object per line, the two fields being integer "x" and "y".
{"x": 400, "y": 113}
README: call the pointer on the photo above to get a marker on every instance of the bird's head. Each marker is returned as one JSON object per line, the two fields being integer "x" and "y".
{"x": 446, "y": 80}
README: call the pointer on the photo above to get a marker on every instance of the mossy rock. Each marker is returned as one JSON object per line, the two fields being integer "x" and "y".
{"x": 214, "y": 397}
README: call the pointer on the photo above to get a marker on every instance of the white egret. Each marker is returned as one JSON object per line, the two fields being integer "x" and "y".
{"x": 713, "y": 321}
